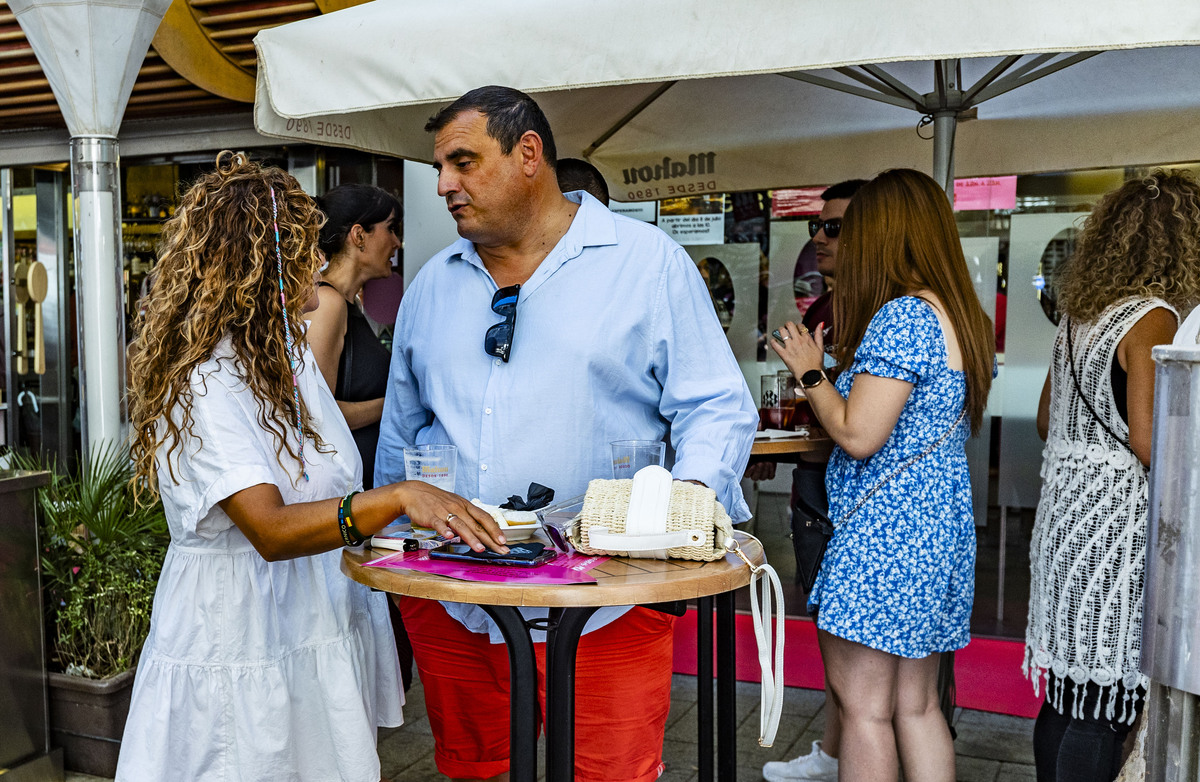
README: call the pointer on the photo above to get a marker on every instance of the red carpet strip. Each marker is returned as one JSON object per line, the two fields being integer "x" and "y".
{"x": 987, "y": 671}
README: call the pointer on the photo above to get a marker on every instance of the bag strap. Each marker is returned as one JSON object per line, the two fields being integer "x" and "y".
{"x": 904, "y": 466}
{"x": 765, "y": 588}
{"x": 1084, "y": 399}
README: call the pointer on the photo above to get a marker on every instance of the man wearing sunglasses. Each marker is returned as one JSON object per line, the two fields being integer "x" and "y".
{"x": 808, "y": 479}
{"x": 550, "y": 329}
{"x": 825, "y": 231}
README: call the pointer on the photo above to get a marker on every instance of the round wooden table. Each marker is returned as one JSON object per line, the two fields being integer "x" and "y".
{"x": 816, "y": 447}
{"x": 661, "y": 584}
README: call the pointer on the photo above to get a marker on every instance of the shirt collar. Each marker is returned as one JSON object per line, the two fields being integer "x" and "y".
{"x": 594, "y": 225}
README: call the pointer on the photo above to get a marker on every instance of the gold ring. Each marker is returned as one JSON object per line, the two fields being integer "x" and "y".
{"x": 451, "y": 516}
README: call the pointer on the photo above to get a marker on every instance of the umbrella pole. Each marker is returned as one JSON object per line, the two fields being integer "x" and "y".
{"x": 96, "y": 186}
{"x": 945, "y": 123}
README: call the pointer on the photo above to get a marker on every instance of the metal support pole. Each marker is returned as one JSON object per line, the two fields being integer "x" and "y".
{"x": 726, "y": 688}
{"x": 945, "y": 123}
{"x": 523, "y": 691}
{"x": 704, "y": 687}
{"x": 562, "y": 642}
{"x": 9, "y": 339}
{"x": 1000, "y": 576}
{"x": 99, "y": 292}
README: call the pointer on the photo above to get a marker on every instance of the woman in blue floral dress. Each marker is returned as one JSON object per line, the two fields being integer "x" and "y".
{"x": 914, "y": 370}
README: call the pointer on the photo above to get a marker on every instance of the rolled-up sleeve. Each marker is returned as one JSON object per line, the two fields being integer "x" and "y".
{"x": 704, "y": 395}
{"x": 223, "y": 453}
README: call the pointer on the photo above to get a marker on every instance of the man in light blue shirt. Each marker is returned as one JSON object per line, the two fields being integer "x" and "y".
{"x": 613, "y": 337}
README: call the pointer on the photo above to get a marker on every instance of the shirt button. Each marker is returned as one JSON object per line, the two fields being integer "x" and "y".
{"x": 499, "y": 362}
{"x": 487, "y": 411}
{"x": 483, "y": 467}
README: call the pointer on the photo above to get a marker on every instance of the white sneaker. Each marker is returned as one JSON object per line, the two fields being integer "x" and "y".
{"x": 816, "y": 766}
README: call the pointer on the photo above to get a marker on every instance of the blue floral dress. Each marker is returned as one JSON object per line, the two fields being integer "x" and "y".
{"x": 899, "y": 575}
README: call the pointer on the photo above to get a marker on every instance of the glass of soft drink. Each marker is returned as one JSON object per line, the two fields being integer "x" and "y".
{"x": 773, "y": 411}
{"x": 433, "y": 463}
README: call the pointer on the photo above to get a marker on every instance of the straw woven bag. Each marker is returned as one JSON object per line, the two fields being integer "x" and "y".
{"x": 696, "y": 524}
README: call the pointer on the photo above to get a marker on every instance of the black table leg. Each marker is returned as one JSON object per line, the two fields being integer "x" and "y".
{"x": 564, "y": 629}
{"x": 704, "y": 687}
{"x": 726, "y": 688}
{"x": 523, "y": 706}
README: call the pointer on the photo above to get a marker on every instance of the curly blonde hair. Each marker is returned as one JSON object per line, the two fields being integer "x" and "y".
{"x": 1142, "y": 239}
{"x": 216, "y": 278}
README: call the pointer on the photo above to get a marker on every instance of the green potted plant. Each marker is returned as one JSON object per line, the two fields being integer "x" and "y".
{"x": 101, "y": 556}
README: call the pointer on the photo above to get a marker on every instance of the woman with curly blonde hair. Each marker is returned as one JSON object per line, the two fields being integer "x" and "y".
{"x": 1135, "y": 268}
{"x": 263, "y": 660}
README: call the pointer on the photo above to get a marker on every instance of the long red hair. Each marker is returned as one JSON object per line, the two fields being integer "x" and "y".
{"x": 899, "y": 237}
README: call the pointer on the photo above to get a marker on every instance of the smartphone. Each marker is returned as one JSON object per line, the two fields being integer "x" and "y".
{"x": 519, "y": 555}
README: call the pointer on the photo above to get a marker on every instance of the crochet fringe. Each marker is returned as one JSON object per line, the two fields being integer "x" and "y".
{"x": 1110, "y": 695}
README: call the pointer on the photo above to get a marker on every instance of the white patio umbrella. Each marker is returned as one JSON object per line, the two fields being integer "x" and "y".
{"x": 679, "y": 96}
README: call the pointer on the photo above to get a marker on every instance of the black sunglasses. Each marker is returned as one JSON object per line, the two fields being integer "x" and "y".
{"x": 498, "y": 339}
{"x": 832, "y": 227}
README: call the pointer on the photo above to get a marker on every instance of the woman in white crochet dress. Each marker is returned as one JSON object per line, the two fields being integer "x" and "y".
{"x": 1135, "y": 268}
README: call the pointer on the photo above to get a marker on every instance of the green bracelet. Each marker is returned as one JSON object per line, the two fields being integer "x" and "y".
{"x": 350, "y": 534}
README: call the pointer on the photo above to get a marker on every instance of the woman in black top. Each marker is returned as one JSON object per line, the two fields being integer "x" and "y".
{"x": 358, "y": 239}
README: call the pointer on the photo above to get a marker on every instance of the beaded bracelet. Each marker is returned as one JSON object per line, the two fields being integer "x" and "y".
{"x": 350, "y": 534}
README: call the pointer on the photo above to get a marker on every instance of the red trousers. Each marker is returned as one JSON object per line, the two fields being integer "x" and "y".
{"x": 622, "y": 694}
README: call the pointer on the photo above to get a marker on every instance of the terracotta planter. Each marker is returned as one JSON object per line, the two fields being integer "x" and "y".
{"x": 87, "y": 718}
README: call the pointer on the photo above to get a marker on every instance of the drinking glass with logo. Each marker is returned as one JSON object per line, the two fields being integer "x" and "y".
{"x": 433, "y": 463}
{"x": 774, "y": 412}
{"x": 629, "y": 456}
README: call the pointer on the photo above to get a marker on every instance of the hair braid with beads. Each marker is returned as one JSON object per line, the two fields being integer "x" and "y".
{"x": 218, "y": 276}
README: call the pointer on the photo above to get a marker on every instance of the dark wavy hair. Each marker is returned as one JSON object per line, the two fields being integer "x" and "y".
{"x": 346, "y": 206}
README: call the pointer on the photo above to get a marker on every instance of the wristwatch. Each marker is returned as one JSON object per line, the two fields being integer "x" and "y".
{"x": 812, "y": 378}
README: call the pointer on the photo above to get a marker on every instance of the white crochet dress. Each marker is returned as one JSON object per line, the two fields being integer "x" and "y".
{"x": 1088, "y": 552}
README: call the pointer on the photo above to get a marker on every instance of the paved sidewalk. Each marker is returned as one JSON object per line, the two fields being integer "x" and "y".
{"x": 990, "y": 747}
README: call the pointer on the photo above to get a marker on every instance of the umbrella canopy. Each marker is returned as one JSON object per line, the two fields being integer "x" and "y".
{"x": 91, "y": 53}
{"x": 677, "y": 97}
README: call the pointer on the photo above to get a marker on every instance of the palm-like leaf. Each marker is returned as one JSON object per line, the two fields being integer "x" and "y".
{"x": 101, "y": 554}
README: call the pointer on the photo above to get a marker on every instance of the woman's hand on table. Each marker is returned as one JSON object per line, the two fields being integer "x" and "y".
{"x": 450, "y": 515}
{"x": 801, "y": 350}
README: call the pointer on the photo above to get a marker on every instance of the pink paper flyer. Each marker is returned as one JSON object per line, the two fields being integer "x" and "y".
{"x": 563, "y": 569}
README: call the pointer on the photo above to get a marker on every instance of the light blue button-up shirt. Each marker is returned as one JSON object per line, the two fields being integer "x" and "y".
{"x": 616, "y": 339}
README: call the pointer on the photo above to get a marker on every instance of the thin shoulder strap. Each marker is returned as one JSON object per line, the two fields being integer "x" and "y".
{"x": 1083, "y": 397}
{"x": 905, "y": 465}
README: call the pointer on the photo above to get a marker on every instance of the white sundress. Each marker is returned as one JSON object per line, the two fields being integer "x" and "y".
{"x": 257, "y": 670}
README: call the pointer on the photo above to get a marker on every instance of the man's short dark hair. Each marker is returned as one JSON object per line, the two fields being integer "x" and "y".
{"x": 510, "y": 114}
{"x": 576, "y": 174}
{"x": 845, "y": 189}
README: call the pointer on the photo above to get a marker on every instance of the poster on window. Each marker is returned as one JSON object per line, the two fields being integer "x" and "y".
{"x": 693, "y": 220}
{"x": 730, "y": 272}
{"x": 646, "y": 211}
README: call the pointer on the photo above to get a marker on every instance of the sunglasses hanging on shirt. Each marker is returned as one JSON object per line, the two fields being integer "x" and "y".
{"x": 498, "y": 339}
{"x": 832, "y": 227}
